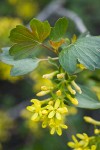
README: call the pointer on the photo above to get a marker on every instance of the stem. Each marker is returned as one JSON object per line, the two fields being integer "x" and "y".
{"x": 45, "y": 46}
{"x": 46, "y": 59}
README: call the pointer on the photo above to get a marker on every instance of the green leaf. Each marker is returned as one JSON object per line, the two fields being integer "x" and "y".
{"x": 27, "y": 40}
{"x": 20, "y": 67}
{"x": 59, "y": 30}
{"x": 87, "y": 99}
{"x": 85, "y": 50}
{"x": 40, "y": 30}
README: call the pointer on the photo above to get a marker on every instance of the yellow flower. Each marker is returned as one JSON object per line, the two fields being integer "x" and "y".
{"x": 56, "y": 110}
{"x": 36, "y": 109}
{"x": 82, "y": 143}
{"x": 84, "y": 139}
{"x": 57, "y": 126}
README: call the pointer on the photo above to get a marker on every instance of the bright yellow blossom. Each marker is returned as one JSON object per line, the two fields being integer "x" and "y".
{"x": 35, "y": 109}
{"x": 82, "y": 143}
{"x": 57, "y": 126}
{"x": 56, "y": 110}
{"x": 52, "y": 112}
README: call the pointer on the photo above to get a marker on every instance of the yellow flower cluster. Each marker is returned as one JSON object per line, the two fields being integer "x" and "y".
{"x": 83, "y": 143}
{"x": 52, "y": 111}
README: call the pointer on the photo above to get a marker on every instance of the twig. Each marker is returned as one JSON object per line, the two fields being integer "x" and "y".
{"x": 55, "y": 58}
{"x": 45, "y": 46}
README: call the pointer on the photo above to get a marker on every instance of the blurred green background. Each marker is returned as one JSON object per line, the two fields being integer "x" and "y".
{"x": 16, "y": 130}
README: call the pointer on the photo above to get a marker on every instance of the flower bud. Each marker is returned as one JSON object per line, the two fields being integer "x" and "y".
{"x": 73, "y": 100}
{"x": 45, "y": 88}
{"x": 71, "y": 90}
{"x": 50, "y": 75}
{"x": 50, "y": 102}
{"x": 44, "y": 112}
{"x": 42, "y": 93}
{"x": 78, "y": 89}
{"x": 92, "y": 121}
{"x": 58, "y": 93}
{"x": 97, "y": 131}
{"x": 61, "y": 75}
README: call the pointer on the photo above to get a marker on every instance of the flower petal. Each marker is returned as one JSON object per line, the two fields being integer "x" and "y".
{"x": 51, "y": 114}
{"x": 30, "y": 108}
{"x": 34, "y": 117}
{"x": 57, "y": 104}
{"x": 59, "y": 131}
{"x": 58, "y": 115}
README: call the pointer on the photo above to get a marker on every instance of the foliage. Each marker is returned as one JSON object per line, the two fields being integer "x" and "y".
{"x": 72, "y": 57}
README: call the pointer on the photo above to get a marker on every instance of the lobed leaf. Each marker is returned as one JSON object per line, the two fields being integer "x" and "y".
{"x": 40, "y": 30}
{"x": 26, "y": 41}
{"x": 85, "y": 50}
{"x": 59, "y": 30}
{"x": 20, "y": 67}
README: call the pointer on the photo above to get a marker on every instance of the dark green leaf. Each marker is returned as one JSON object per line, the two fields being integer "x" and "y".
{"x": 20, "y": 67}
{"x": 59, "y": 30}
{"x": 87, "y": 99}
{"x": 26, "y": 41}
{"x": 85, "y": 50}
